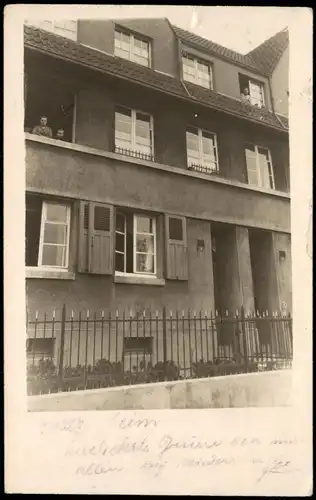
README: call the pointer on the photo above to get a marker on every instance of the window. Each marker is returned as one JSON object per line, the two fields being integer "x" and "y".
{"x": 40, "y": 348}
{"x": 133, "y": 48}
{"x": 259, "y": 166}
{"x": 63, "y": 27}
{"x": 135, "y": 244}
{"x": 196, "y": 71}
{"x": 201, "y": 150}
{"x": 251, "y": 91}
{"x": 133, "y": 133}
{"x": 47, "y": 233}
{"x": 137, "y": 352}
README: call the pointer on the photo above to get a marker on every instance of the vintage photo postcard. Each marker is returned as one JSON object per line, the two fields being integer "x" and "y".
{"x": 158, "y": 249}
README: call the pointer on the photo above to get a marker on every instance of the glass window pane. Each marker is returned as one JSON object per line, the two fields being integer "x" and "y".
{"x": 144, "y": 224}
{"x": 56, "y": 212}
{"x": 120, "y": 242}
{"x": 120, "y": 222}
{"x": 145, "y": 243}
{"x": 54, "y": 255}
{"x": 264, "y": 167}
{"x": 144, "y": 61}
{"x": 145, "y": 263}
{"x": 55, "y": 233}
{"x": 192, "y": 141}
{"x": 119, "y": 262}
{"x": 208, "y": 144}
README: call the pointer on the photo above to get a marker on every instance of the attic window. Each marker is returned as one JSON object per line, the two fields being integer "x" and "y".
{"x": 132, "y": 47}
{"x": 197, "y": 71}
{"x": 251, "y": 91}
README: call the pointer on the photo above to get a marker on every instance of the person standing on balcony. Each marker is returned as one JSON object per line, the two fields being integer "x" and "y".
{"x": 60, "y": 134}
{"x": 245, "y": 96}
{"x": 43, "y": 128}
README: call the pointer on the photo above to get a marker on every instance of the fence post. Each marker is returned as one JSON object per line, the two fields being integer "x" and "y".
{"x": 164, "y": 340}
{"x": 243, "y": 329}
{"x": 62, "y": 347}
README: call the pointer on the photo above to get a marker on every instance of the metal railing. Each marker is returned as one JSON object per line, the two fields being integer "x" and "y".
{"x": 70, "y": 351}
{"x": 134, "y": 153}
{"x": 203, "y": 169}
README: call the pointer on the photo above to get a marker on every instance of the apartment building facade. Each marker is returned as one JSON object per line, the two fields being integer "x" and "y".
{"x": 168, "y": 188}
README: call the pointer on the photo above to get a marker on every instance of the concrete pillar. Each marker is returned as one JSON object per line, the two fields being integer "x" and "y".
{"x": 283, "y": 269}
{"x": 246, "y": 294}
{"x": 233, "y": 274}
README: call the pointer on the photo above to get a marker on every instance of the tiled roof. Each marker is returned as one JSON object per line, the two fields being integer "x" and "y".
{"x": 191, "y": 38}
{"x": 69, "y": 50}
{"x": 267, "y": 55}
{"x": 263, "y": 58}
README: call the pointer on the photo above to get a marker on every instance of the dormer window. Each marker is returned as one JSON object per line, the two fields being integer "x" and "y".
{"x": 197, "y": 71}
{"x": 251, "y": 91}
{"x": 132, "y": 47}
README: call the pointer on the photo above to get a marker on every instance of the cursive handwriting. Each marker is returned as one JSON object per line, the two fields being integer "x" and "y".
{"x": 95, "y": 469}
{"x": 71, "y": 425}
{"x": 124, "y": 446}
{"x": 168, "y": 443}
{"x": 277, "y": 467}
{"x": 137, "y": 423}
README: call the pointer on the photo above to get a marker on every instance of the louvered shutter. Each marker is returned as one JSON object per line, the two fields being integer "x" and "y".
{"x": 95, "y": 238}
{"x": 176, "y": 248}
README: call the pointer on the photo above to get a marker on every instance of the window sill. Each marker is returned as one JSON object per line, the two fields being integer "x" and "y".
{"x": 139, "y": 280}
{"x": 49, "y": 274}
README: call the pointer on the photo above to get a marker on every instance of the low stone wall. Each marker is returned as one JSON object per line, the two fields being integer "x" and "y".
{"x": 234, "y": 391}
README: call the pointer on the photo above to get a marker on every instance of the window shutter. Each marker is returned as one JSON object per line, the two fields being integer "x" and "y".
{"x": 101, "y": 248}
{"x": 176, "y": 248}
{"x": 96, "y": 238}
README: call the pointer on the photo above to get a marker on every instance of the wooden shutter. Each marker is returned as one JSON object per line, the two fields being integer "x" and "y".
{"x": 176, "y": 248}
{"x": 96, "y": 238}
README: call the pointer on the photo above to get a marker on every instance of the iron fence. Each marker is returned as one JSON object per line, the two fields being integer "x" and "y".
{"x": 70, "y": 351}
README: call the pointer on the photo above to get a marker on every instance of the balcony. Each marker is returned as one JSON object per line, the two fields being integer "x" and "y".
{"x": 80, "y": 172}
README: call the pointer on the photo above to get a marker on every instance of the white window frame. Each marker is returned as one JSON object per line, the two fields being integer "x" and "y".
{"x": 154, "y": 233}
{"x": 133, "y": 145}
{"x": 196, "y": 60}
{"x": 257, "y": 147}
{"x": 261, "y": 88}
{"x": 42, "y": 230}
{"x": 200, "y": 142}
{"x": 131, "y": 53}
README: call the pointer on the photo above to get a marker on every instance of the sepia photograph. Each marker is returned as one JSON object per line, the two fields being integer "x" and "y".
{"x": 157, "y": 218}
{"x": 158, "y": 250}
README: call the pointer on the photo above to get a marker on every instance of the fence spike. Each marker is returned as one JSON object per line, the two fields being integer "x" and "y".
{"x": 156, "y": 313}
{"x": 36, "y": 314}
{"x": 72, "y": 313}
{"x": 116, "y": 313}
{"x": 182, "y": 314}
{"x": 87, "y": 313}
{"x": 102, "y": 313}
{"x": 170, "y": 313}
{"x": 194, "y": 314}
{"x": 226, "y": 312}
{"x": 237, "y": 312}
{"x": 216, "y": 312}
{"x": 130, "y": 313}
{"x": 54, "y": 313}
{"x": 144, "y": 313}
{"x": 267, "y": 312}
